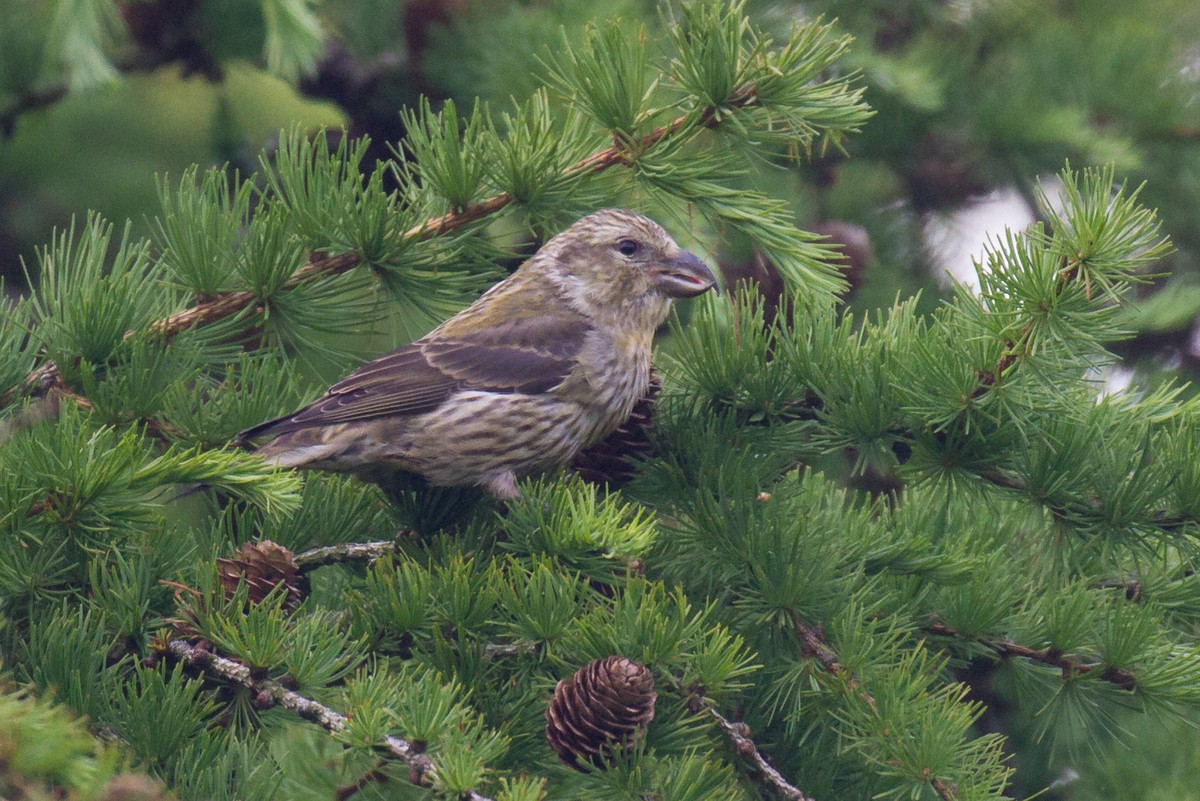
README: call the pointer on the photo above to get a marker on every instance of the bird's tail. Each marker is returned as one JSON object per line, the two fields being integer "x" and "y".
{"x": 244, "y": 439}
{"x": 290, "y": 451}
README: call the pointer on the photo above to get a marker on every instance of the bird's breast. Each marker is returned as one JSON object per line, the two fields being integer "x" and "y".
{"x": 615, "y": 373}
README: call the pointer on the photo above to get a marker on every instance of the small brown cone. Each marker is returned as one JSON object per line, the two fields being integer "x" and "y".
{"x": 611, "y": 460}
{"x": 605, "y": 706}
{"x": 858, "y": 254}
{"x": 264, "y": 566}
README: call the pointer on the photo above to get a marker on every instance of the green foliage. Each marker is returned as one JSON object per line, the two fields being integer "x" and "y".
{"x": 210, "y": 409}
{"x": 608, "y": 78}
{"x": 268, "y": 637}
{"x": 857, "y": 532}
{"x": 685, "y": 778}
{"x": 74, "y": 492}
{"x": 48, "y": 753}
{"x": 223, "y": 769}
{"x": 201, "y": 227}
{"x": 531, "y": 155}
{"x": 85, "y": 304}
{"x": 67, "y": 650}
{"x": 80, "y": 33}
{"x": 331, "y": 509}
{"x": 85, "y": 44}
{"x": 16, "y": 347}
{"x": 328, "y": 204}
{"x": 449, "y": 156}
{"x": 576, "y": 525}
{"x": 161, "y": 712}
{"x": 542, "y": 603}
{"x": 294, "y": 36}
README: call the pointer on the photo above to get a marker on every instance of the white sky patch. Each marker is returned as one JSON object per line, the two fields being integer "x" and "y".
{"x": 1114, "y": 379}
{"x": 956, "y": 239}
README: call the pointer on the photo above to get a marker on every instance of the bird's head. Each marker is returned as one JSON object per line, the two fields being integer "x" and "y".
{"x": 622, "y": 263}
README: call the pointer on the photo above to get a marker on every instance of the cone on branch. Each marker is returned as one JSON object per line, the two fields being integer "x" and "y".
{"x": 604, "y": 707}
{"x": 858, "y": 254}
{"x": 613, "y": 460}
{"x": 264, "y": 566}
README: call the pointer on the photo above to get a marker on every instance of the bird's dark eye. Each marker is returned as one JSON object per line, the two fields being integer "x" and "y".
{"x": 627, "y": 247}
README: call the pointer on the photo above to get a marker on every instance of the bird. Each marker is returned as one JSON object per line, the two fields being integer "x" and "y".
{"x": 547, "y": 362}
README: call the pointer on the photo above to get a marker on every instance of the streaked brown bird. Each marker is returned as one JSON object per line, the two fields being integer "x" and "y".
{"x": 545, "y": 363}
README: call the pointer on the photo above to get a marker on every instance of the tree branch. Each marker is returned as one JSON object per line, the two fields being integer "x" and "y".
{"x": 227, "y": 304}
{"x": 373, "y": 776}
{"x": 29, "y": 101}
{"x": 420, "y": 767}
{"x": 813, "y": 645}
{"x": 1015, "y": 349}
{"x": 1165, "y": 521}
{"x": 738, "y": 733}
{"x": 1070, "y": 666}
{"x": 344, "y": 552}
{"x": 946, "y": 792}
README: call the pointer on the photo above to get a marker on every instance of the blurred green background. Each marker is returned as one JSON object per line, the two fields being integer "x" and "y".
{"x": 976, "y": 101}
{"x": 101, "y": 149}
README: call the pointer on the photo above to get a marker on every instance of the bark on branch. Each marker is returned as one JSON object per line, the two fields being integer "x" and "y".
{"x": 420, "y": 767}
{"x": 1070, "y": 666}
{"x": 227, "y": 304}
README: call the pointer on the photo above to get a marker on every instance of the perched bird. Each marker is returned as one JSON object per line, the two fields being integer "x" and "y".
{"x": 545, "y": 363}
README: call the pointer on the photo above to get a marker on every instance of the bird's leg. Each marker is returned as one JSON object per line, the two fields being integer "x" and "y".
{"x": 503, "y": 486}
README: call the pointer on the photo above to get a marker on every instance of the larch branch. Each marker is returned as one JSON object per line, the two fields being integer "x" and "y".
{"x": 227, "y": 304}
{"x": 344, "y": 552}
{"x": 232, "y": 672}
{"x": 1070, "y": 666}
{"x": 739, "y": 735}
{"x": 813, "y": 645}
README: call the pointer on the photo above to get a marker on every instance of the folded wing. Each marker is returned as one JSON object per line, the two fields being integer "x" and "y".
{"x": 528, "y": 355}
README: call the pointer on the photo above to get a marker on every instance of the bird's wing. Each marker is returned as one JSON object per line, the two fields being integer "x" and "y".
{"x": 526, "y": 355}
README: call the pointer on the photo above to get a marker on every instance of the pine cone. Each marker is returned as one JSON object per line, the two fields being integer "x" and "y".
{"x": 855, "y": 244}
{"x": 611, "y": 460}
{"x": 264, "y": 566}
{"x": 606, "y": 705}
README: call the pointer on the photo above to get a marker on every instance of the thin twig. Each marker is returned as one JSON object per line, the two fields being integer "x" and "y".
{"x": 344, "y": 552}
{"x": 739, "y": 734}
{"x": 813, "y": 644}
{"x": 1070, "y": 666}
{"x": 946, "y": 792}
{"x": 494, "y": 651}
{"x": 227, "y": 304}
{"x": 373, "y": 776}
{"x": 420, "y": 767}
{"x": 1016, "y": 349}
{"x": 1165, "y": 521}
{"x": 29, "y": 101}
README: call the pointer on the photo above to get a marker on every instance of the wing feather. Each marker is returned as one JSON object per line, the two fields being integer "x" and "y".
{"x": 527, "y": 355}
